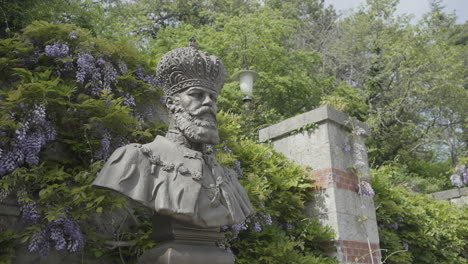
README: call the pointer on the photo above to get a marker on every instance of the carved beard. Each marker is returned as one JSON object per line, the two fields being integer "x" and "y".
{"x": 200, "y": 126}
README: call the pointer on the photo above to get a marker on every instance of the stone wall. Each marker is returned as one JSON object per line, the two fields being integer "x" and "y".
{"x": 337, "y": 203}
{"x": 457, "y": 196}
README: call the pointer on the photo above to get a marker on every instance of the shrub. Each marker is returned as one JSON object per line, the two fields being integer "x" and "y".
{"x": 414, "y": 228}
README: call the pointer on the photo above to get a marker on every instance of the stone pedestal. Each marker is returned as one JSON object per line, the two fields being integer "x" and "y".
{"x": 337, "y": 204}
{"x": 178, "y": 243}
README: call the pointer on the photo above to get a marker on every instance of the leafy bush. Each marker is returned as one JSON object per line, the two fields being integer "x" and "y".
{"x": 67, "y": 100}
{"x": 414, "y": 228}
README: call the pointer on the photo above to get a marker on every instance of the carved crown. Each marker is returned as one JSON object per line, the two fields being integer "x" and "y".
{"x": 182, "y": 68}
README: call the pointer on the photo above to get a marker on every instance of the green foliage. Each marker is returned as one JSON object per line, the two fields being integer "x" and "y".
{"x": 7, "y": 241}
{"x": 346, "y": 99}
{"x": 80, "y": 126}
{"x": 434, "y": 231}
{"x": 274, "y": 245}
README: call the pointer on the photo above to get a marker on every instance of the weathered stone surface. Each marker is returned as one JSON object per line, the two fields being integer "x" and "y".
{"x": 186, "y": 253}
{"x": 182, "y": 244}
{"x": 464, "y": 191}
{"x": 460, "y": 201}
{"x": 338, "y": 204}
{"x": 447, "y": 195}
{"x": 458, "y": 196}
{"x": 321, "y": 114}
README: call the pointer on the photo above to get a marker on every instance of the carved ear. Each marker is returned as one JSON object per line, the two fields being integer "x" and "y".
{"x": 170, "y": 104}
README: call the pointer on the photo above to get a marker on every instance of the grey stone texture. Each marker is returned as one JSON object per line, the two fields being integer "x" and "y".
{"x": 458, "y": 196}
{"x": 352, "y": 216}
{"x": 179, "y": 243}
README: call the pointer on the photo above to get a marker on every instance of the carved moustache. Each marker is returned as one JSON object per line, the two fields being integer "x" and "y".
{"x": 203, "y": 111}
{"x": 202, "y": 117}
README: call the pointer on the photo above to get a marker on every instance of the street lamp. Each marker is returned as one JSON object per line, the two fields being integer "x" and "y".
{"x": 246, "y": 79}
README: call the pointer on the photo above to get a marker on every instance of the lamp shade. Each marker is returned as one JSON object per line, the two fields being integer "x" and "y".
{"x": 246, "y": 79}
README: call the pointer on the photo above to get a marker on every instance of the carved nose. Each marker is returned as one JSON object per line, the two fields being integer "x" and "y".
{"x": 208, "y": 101}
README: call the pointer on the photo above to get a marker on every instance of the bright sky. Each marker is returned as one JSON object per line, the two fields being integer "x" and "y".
{"x": 415, "y": 7}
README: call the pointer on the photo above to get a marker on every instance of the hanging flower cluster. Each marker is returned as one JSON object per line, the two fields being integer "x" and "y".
{"x": 460, "y": 178}
{"x": 57, "y": 50}
{"x": 33, "y": 132}
{"x": 363, "y": 187}
{"x": 254, "y": 223}
{"x": 97, "y": 74}
{"x": 64, "y": 232}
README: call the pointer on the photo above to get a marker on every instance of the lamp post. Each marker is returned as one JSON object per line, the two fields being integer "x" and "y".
{"x": 246, "y": 79}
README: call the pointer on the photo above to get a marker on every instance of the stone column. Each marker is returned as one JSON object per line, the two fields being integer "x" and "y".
{"x": 337, "y": 203}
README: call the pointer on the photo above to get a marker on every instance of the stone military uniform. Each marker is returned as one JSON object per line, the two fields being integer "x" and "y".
{"x": 177, "y": 181}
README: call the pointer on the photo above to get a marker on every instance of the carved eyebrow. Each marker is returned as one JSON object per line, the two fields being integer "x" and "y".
{"x": 203, "y": 90}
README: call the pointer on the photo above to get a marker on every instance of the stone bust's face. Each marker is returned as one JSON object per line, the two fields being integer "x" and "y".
{"x": 194, "y": 114}
{"x": 197, "y": 98}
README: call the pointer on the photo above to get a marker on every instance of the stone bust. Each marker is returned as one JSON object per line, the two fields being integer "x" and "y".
{"x": 176, "y": 175}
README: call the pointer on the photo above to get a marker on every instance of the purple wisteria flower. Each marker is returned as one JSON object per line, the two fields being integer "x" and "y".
{"x": 123, "y": 68}
{"x": 29, "y": 60}
{"x": 65, "y": 233}
{"x": 462, "y": 170}
{"x": 72, "y": 35}
{"x": 394, "y": 226}
{"x": 57, "y": 50}
{"x": 227, "y": 149}
{"x": 129, "y": 100}
{"x": 103, "y": 152}
{"x": 29, "y": 214}
{"x": 100, "y": 61}
{"x": 150, "y": 79}
{"x": 267, "y": 219}
{"x": 3, "y": 193}
{"x": 257, "y": 227}
{"x": 237, "y": 228}
{"x": 456, "y": 180}
{"x": 405, "y": 246}
{"x": 86, "y": 67}
{"x": 359, "y": 164}
{"x": 359, "y": 131}
{"x": 364, "y": 188}
{"x": 33, "y": 132}
{"x": 237, "y": 167}
{"x": 347, "y": 147}
{"x": 97, "y": 74}
{"x": 39, "y": 242}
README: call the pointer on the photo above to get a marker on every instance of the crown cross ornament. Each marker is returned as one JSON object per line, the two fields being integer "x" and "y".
{"x": 187, "y": 67}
